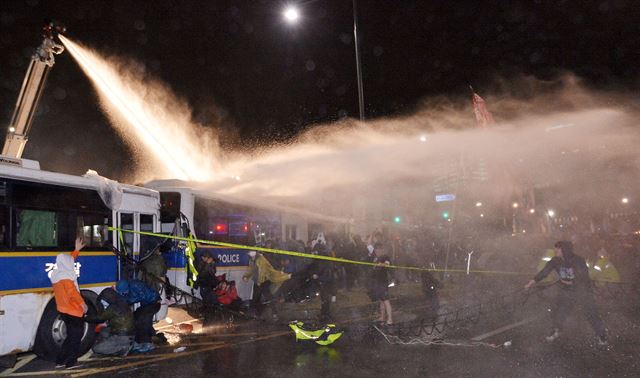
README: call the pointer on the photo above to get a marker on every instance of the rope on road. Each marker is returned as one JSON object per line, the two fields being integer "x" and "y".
{"x": 418, "y": 340}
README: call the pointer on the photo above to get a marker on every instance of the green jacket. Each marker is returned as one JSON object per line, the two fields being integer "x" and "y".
{"x": 120, "y": 321}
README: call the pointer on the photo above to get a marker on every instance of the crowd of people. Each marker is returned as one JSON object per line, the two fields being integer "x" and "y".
{"x": 278, "y": 278}
{"x": 297, "y": 279}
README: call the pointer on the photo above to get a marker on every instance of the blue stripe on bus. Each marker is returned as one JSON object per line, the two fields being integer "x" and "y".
{"x": 26, "y": 272}
{"x": 227, "y": 257}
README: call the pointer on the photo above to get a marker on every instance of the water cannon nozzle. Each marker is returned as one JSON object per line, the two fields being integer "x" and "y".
{"x": 51, "y": 29}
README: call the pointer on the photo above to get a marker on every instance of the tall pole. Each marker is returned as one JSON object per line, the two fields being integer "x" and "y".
{"x": 453, "y": 218}
{"x": 358, "y": 65}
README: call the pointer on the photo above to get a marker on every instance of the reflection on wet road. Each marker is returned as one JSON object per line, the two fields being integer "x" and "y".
{"x": 268, "y": 348}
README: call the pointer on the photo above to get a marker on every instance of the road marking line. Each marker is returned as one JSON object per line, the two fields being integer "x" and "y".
{"x": 230, "y": 334}
{"x": 86, "y": 356}
{"x": 174, "y": 346}
{"x": 21, "y": 362}
{"x": 177, "y": 324}
{"x": 47, "y": 372}
{"x": 505, "y": 328}
{"x": 173, "y": 356}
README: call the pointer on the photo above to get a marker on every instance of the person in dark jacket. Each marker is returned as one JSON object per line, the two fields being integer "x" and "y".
{"x": 207, "y": 283}
{"x": 322, "y": 273}
{"x": 430, "y": 286}
{"x": 154, "y": 270}
{"x": 135, "y": 291}
{"x": 379, "y": 288}
{"x": 117, "y": 337}
{"x": 576, "y": 290}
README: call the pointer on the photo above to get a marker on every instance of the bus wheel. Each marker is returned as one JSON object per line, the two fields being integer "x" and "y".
{"x": 52, "y": 332}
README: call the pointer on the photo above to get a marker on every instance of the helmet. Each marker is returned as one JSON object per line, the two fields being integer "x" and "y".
{"x": 122, "y": 287}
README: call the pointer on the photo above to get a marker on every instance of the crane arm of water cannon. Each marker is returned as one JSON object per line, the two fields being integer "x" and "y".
{"x": 49, "y": 47}
{"x": 31, "y": 90}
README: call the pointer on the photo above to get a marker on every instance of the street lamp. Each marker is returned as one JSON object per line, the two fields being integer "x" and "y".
{"x": 625, "y": 200}
{"x": 292, "y": 15}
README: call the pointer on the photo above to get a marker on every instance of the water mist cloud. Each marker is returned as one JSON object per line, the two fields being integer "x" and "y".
{"x": 579, "y": 144}
{"x": 150, "y": 118}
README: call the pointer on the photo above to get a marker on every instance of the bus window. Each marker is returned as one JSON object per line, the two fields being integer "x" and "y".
{"x": 126, "y": 223}
{"x": 53, "y": 197}
{"x": 291, "y": 232}
{"x": 3, "y": 192}
{"x": 147, "y": 242}
{"x": 4, "y": 226}
{"x": 5, "y": 219}
{"x": 36, "y": 228}
{"x": 94, "y": 230}
{"x": 169, "y": 206}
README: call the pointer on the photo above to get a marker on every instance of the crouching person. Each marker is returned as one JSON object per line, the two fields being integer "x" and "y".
{"x": 117, "y": 337}
{"x": 228, "y": 295}
{"x": 135, "y": 291}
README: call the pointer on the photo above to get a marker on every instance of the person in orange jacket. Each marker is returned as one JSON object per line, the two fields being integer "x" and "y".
{"x": 69, "y": 303}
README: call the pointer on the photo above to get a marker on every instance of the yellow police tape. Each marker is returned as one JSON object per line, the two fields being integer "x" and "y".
{"x": 312, "y": 256}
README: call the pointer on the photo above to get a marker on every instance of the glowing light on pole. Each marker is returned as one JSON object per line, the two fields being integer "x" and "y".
{"x": 625, "y": 200}
{"x": 291, "y": 14}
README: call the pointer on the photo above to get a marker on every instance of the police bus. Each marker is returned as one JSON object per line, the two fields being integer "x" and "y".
{"x": 41, "y": 214}
{"x": 216, "y": 217}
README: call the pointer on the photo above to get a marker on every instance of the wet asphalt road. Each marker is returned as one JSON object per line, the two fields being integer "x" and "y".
{"x": 264, "y": 349}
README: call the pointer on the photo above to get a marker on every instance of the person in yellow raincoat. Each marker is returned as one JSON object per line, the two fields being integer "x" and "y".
{"x": 266, "y": 282}
{"x": 603, "y": 272}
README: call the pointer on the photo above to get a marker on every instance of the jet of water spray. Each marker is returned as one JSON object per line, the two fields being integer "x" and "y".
{"x": 147, "y": 114}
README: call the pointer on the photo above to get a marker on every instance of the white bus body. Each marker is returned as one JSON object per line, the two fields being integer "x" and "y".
{"x": 61, "y": 206}
{"x": 240, "y": 222}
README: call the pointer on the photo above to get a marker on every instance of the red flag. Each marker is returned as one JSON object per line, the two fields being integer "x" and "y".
{"x": 483, "y": 116}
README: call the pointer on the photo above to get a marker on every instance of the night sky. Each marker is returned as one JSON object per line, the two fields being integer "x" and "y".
{"x": 241, "y": 67}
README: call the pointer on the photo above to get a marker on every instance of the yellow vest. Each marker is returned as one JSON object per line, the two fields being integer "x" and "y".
{"x": 603, "y": 272}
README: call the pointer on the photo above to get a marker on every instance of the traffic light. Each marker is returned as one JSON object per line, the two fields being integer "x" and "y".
{"x": 396, "y": 219}
{"x": 445, "y": 215}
